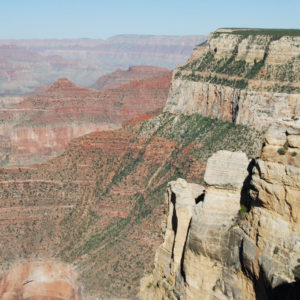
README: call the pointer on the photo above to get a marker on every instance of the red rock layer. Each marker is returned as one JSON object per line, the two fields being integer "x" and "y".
{"x": 120, "y": 77}
{"x": 41, "y": 126}
{"x": 97, "y": 206}
{"x": 40, "y": 281}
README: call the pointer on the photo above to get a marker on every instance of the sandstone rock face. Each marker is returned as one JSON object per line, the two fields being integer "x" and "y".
{"x": 39, "y": 280}
{"x": 182, "y": 201}
{"x": 242, "y": 106}
{"x": 226, "y": 169}
{"x": 41, "y": 126}
{"x": 240, "y": 77}
{"x": 232, "y": 252}
{"x": 204, "y": 254}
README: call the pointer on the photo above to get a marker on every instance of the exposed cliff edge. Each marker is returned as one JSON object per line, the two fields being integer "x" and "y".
{"x": 245, "y": 76}
{"x": 243, "y": 237}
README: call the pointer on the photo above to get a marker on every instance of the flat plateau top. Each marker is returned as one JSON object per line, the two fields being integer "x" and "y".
{"x": 260, "y": 31}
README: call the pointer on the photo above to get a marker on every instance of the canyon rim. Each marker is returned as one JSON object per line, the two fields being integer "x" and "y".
{"x": 193, "y": 193}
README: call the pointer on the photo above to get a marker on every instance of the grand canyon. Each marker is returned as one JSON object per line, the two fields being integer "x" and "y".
{"x": 147, "y": 183}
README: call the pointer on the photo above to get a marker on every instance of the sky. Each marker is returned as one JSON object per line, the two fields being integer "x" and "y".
{"x": 104, "y": 18}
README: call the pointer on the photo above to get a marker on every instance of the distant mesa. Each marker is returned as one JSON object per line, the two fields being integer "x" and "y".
{"x": 62, "y": 83}
{"x": 120, "y": 77}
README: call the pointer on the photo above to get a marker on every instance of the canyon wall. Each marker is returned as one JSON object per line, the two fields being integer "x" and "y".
{"x": 41, "y": 126}
{"x": 27, "y": 64}
{"x": 120, "y": 77}
{"x": 245, "y": 76}
{"x": 232, "y": 233}
{"x": 98, "y": 206}
{"x": 239, "y": 236}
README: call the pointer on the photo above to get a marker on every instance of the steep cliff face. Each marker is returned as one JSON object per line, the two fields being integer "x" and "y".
{"x": 240, "y": 76}
{"x": 41, "y": 126}
{"x": 243, "y": 237}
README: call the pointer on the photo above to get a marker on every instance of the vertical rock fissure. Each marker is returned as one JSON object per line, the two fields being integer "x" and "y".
{"x": 182, "y": 272}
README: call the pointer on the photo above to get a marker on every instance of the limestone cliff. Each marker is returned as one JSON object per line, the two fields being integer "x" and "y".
{"x": 240, "y": 76}
{"x": 242, "y": 240}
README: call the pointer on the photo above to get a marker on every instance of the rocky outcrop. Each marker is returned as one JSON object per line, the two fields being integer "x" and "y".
{"x": 240, "y": 76}
{"x": 207, "y": 235}
{"x": 40, "y": 280}
{"x": 244, "y": 235}
{"x": 120, "y": 77}
{"x": 40, "y": 127}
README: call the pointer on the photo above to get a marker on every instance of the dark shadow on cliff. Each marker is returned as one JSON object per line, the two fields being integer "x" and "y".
{"x": 174, "y": 220}
{"x": 262, "y": 291}
{"x": 200, "y": 198}
{"x": 245, "y": 196}
{"x": 286, "y": 291}
{"x": 174, "y": 216}
{"x": 247, "y": 199}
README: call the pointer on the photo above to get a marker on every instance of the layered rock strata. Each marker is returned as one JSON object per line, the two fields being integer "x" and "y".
{"x": 98, "y": 206}
{"x": 240, "y": 76}
{"x": 243, "y": 241}
{"x": 41, "y": 126}
{"x": 120, "y": 77}
{"x": 27, "y": 64}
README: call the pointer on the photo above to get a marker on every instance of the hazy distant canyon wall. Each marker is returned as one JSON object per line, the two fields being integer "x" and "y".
{"x": 27, "y": 64}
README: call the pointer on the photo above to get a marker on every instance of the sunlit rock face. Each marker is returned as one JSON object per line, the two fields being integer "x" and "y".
{"x": 243, "y": 76}
{"x": 40, "y": 281}
{"x": 243, "y": 238}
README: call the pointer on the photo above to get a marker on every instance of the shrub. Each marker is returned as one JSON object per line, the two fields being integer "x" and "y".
{"x": 286, "y": 146}
{"x": 281, "y": 151}
{"x": 296, "y": 272}
{"x": 243, "y": 211}
{"x": 294, "y": 153}
{"x": 255, "y": 69}
{"x": 276, "y": 250}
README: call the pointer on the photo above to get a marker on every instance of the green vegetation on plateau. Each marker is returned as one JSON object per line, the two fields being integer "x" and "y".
{"x": 236, "y": 72}
{"x": 278, "y": 33}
